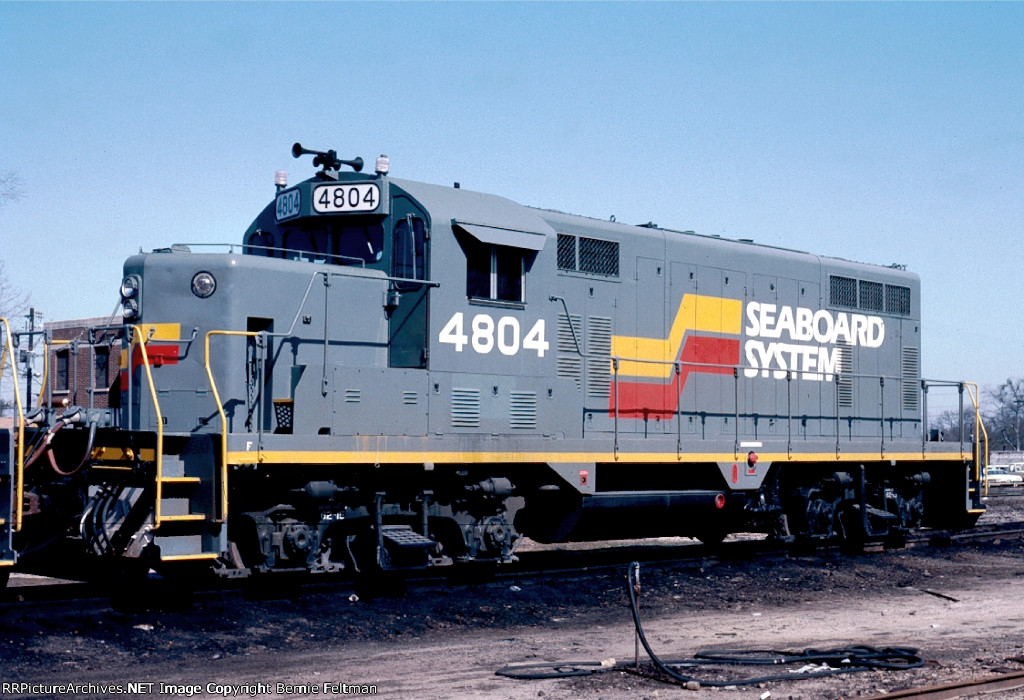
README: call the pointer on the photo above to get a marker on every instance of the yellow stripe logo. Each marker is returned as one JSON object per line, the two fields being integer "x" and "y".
{"x": 697, "y": 313}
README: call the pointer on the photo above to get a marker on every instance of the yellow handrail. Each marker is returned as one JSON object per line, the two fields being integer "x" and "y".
{"x": 223, "y": 416}
{"x": 139, "y": 338}
{"x": 974, "y": 395}
{"x": 19, "y": 467}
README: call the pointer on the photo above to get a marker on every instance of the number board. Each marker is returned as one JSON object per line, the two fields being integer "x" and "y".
{"x": 289, "y": 204}
{"x": 330, "y": 199}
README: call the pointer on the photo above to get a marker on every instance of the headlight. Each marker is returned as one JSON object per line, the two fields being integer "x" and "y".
{"x": 129, "y": 286}
{"x": 129, "y": 310}
{"x": 203, "y": 284}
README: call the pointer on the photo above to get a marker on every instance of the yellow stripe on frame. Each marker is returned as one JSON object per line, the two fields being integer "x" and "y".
{"x": 414, "y": 457}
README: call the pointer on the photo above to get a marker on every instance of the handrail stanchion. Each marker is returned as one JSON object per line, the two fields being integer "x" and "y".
{"x": 789, "y": 408}
{"x": 19, "y": 467}
{"x": 981, "y": 432}
{"x": 881, "y": 413}
{"x": 223, "y": 416}
{"x": 615, "y": 374}
{"x": 679, "y": 409}
{"x": 924, "y": 417}
{"x": 736, "y": 411}
{"x": 140, "y": 339}
{"x": 960, "y": 414}
{"x": 838, "y": 424}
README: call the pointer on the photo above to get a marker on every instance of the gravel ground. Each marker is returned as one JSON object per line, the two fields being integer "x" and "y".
{"x": 959, "y": 605}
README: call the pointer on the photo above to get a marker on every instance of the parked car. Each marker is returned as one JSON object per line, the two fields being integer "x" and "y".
{"x": 998, "y": 476}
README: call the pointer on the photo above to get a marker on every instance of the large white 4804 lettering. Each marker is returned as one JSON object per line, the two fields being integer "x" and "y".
{"x": 488, "y": 334}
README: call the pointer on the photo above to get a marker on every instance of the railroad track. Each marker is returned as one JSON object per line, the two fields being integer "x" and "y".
{"x": 975, "y": 687}
{"x": 539, "y": 560}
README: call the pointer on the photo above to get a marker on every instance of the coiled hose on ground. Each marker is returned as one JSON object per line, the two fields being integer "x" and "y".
{"x": 812, "y": 663}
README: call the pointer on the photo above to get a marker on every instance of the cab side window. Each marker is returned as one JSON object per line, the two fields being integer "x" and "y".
{"x": 410, "y": 251}
{"x": 494, "y": 272}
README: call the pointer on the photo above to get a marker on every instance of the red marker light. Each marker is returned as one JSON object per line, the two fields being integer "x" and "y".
{"x": 720, "y": 501}
{"x": 751, "y": 458}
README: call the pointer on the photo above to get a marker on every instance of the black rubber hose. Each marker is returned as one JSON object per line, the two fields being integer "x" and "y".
{"x": 833, "y": 661}
{"x": 845, "y": 660}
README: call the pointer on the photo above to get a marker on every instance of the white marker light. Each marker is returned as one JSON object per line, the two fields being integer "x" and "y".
{"x": 383, "y": 164}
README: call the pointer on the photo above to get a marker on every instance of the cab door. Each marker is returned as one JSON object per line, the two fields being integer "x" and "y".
{"x": 407, "y": 299}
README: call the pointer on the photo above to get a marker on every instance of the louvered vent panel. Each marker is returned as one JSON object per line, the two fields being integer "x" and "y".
{"x": 845, "y": 384}
{"x": 599, "y": 352}
{"x": 570, "y": 363}
{"x": 410, "y": 398}
{"x": 353, "y": 396}
{"x": 465, "y": 408}
{"x": 523, "y": 409}
{"x": 910, "y": 370}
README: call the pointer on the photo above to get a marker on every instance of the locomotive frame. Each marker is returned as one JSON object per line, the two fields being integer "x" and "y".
{"x": 388, "y": 374}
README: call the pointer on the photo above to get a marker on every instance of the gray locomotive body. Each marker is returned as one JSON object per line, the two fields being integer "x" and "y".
{"x": 387, "y": 374}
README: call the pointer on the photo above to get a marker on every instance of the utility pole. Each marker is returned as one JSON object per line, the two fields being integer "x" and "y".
{"x": 28, "y": 358}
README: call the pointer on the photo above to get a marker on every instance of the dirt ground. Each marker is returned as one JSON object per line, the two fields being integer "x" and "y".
{"x": 961, "y": 606}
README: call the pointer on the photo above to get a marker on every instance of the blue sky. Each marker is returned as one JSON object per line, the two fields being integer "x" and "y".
{"x": 878, "y": 132}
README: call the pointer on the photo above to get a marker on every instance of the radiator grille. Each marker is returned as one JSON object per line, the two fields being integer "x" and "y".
{"x": 842, "y": 291}
{"x": 599, "y": 257}
{"x": 566, "y": 252}
{"x": 871, "y": 295}
{"x": 897, "y": 299}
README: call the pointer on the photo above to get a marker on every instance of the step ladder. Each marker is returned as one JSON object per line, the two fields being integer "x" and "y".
{"x": 186, "y": 522}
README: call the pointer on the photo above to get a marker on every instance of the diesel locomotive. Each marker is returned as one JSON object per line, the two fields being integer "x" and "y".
{"x": 386, "y": 374}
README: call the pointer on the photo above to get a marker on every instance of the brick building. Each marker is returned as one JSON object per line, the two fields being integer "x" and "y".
{"x": 85, "y": 357}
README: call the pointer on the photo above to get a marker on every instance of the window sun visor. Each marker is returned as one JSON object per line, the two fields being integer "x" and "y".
{"x": 513, "y": 238}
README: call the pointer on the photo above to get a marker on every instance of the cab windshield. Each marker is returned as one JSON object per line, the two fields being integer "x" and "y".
{"x": 323, "y": 241}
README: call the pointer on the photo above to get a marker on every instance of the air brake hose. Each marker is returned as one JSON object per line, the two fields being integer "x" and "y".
{"x": 46, "y": 445}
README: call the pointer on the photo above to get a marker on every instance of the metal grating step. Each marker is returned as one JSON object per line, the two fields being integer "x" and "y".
{"x": 405, "y": 537}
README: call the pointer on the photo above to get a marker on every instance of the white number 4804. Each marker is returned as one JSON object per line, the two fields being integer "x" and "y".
{"x": 488, "y": 334}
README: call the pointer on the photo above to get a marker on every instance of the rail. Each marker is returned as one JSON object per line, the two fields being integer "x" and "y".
{"x": 19, "y": 466}
{"x": 837, "y": 379}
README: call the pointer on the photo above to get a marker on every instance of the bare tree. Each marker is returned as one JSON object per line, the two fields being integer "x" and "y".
{"x": 10, "y": 188}
{"x": 946, "y": 425}
{"x": 1005, "y": 416}
{"x": 12, "y": 302}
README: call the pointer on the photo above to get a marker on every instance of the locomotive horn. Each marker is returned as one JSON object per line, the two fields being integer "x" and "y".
{"x": 329, "y": 160}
